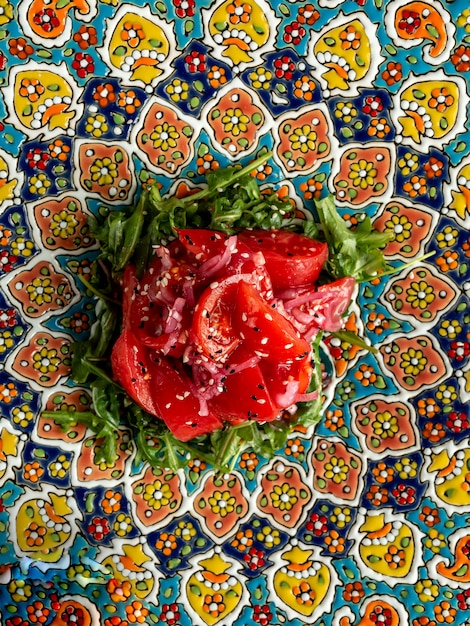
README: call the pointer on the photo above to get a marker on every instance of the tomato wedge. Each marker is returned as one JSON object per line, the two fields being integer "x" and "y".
{"x": 130, "y": 366}
{"x": 245, "y": 397}
{"x": 291, "y": 259}
{"x": 265, "y": 331}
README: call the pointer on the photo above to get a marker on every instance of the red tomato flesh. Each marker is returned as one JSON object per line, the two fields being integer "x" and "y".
{"x": 291, "y": 259}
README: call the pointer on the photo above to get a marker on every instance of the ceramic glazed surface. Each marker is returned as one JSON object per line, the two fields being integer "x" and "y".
{"x": 365, "y": 521}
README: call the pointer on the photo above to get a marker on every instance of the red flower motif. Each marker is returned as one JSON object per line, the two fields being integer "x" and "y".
{"x": 254, "y": 558}
{"x": 373, "y": 105}
{"x": 461, "y": 58}
{"x": 170, "y": 614}
{"x": 284, "y": 67}
{"x": 7, "y": 318}
{"x": 410, "y": 22}
{"x": 99, "y": 528}
{"x": 404, "y": 495}
{"x": 294, "y": 33}
{"x": 73, "y": 615}
{"x": 3, "y": 61}
{"x": 83, "y": 64}
{"x": 185, "y": 8}
{"x": 457, "y": 422}
{"x": 318, "y": 524}
{"x": 463, "y": 599}
{"x": 47, "y": 19}
{"x": 37, "y": 158}
{"x": 262, "y": 614}
{"x": 196, "y": 62}
{"x": 381, "y": 615}
{"x": 6, "y": 261}
{"x": 459, "y": 350}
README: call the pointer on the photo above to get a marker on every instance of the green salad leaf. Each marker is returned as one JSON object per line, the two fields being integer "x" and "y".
{"x": 230, "y": 200}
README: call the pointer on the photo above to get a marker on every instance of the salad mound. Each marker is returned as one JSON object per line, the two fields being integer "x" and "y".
{"x": 210, "y": 313}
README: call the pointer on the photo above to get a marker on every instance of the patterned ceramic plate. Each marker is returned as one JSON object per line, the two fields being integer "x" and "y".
{"x": 366, "y": 520}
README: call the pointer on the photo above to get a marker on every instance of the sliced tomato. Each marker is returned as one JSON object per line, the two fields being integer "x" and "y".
{"x": 176, "y": 403}
{"x": 291, "y": 259}
{"x": 245, "y": 397}
{"x": 322, "y": 307}
{"x": 263, "y": 329}
{"x": 212, "y": 321}
{"x": 203, "y": 244}
{"x": 130, "y": 366}
{"x": 286, "y": 381}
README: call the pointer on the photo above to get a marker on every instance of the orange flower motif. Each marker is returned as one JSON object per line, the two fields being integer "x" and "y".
{"x": 262, "y": 172}
{"x": 243, "y": 540}
{"x": 294, "y": 447}
{"x": 428, "y": 407}
{"x": 445, "y": 613}
{"x": 377, "y": 323}
{"x": 448, "y": 261}
{"x": 354, "y": 592}
{"x": 430, "y": 516}
{"x": 239, "y": 12}
{"x": 393, "y": 73}
{"x": 35, "y": 535}
{"x": 335, "y": 542}
{"x": 119, "y": 590}
{"x": 377, "y": 495}
{"x": 214, "y": 604}
{"x": 434, "y": 168}
{"x": 334, "y": 420}
{"x": 129, "y": 101}
{"x": 136, "y": 612}
{"x": 205, "y": 163}
{"x": 304, "y": 88}
{"x": 104, "y": 94}
{"x": 33, "y": 471}
{"x": 59, "y": 150}
{"x": 20, "y": 48}
{"x": 433, "y": 432}
{"x": 85, "y": 37}
{"x": 350, "y": 38}
{"x": 466, "y": 247}
{"x": 441, "y": 99}
{"x": 308, "y": 15}
{"x": 38, "y": 613}
{"x": 132, "y": 33}
{"x": 382, "y": 473}
{"x": 304, "y": 594}
{"x": 248, "y": 461}
{"x": 416, "y": 186}
{"x": 423, "y": 620}
{"x": 111, "y": 502}
{"x": 311, "y": 189}
{"x": 31, "y": 89}
{"x": 379, "y": 127}
{"x": 395, "y": 557}
{"x": 216, "y": 76}
{"x": 166, "y": 543}
{"x": 366, "y": 375}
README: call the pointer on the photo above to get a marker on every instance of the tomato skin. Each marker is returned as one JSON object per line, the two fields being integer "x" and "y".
{"x": 201, "y": 243}
{"x": 265, "y": 331}
{"x": 130, "y": 367}
{"x": 291, "y": 259}
{"x": 246, "y": 397}
{"x": 279, "y": 376}
{"x": 176, "y": 403}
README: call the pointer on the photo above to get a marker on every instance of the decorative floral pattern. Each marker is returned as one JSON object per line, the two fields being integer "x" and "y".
{"x": 363, "y": 521}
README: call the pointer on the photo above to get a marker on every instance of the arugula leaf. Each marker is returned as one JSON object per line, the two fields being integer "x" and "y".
{"x": 352, "y": 252}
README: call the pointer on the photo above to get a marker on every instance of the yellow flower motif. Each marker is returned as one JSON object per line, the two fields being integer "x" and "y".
{"x": 450, "y": 329}
{"x": 446, "y": 394}
{"x": 22, "y": 415}
{"x": 96, "y": 125}
{"x": 222, "y": 503}
{"x": 122, "y": 526}
{"x": 408, "y": 163}
{"x": 385, "y": 425}
{"x": 435, "y": 541}
{"x": 20, "y": 591}
{"x": 345, "y": 111}
{"x": 413, "y": 362}
{"x": 6, "y": 341}
{"x": 158, "y": 494}
{"x": 270, "y": 537}
{"x": 235, "y": 121}
{"x": 185, "y": 530}
{"x": 406, "y": 468}
{"x": 46, "y": 360}
{"x": 363, "y": 173}
{"x": 6, "y": 11}
{"x": 447, "y": 238}
{"x": 340, "y": 516}
{"x": 463, "y": 20}
{"x": 40, "y": 290}
{"x": 261, "y": 78}
{"x": 63, "y": 224}
{"x": 420, "y": 294}
{"x": 303, "y": 139}
{"x": 336, "y": 469}
{"x": 39, "y": 184}
{"x": 400, "y": 227}
{"x": 164, "y": 137}
{"x": 427, "y": 590}
{"x": 103, "y": 171}
{"x": 22, "y": 247}
{"x": 283, "y": 497}
{"x": 178, "y": 90}
{"x": 59, "y": 468}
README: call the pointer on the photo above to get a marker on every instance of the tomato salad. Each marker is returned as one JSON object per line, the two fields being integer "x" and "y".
{"x": 211, "y": 309}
